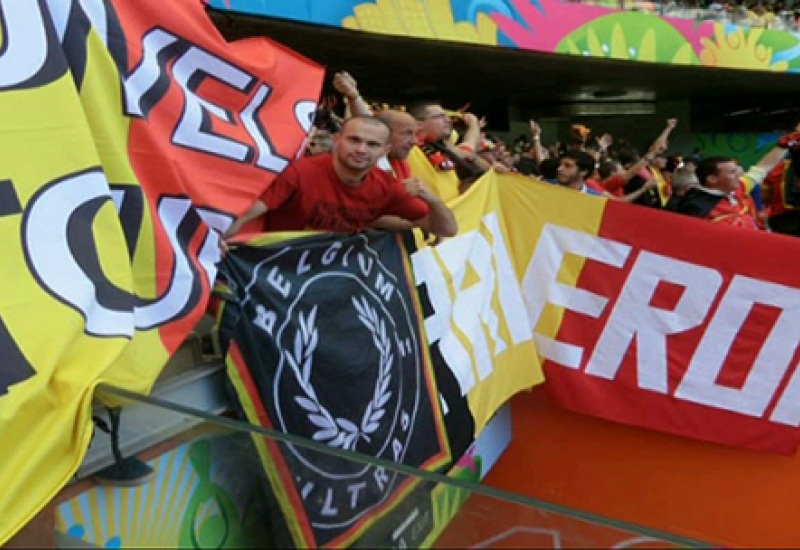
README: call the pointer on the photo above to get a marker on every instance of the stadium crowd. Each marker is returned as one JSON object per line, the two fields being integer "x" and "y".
{"x": 775, "y": 14}
{"x": 396, "y": 168}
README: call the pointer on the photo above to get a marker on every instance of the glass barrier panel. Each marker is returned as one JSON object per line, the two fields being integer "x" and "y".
{"x": 224, "y": 483}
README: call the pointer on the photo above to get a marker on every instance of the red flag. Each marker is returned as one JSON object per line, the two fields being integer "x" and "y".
{"x": 213, "y": 123}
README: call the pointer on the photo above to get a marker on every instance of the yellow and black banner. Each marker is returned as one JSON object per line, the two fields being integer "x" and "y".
{"x": 132, "y": 133}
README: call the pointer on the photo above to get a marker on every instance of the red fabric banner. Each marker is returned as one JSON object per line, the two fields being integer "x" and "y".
{"x": 213, "y": 123}
{"x": 699, "y": 334}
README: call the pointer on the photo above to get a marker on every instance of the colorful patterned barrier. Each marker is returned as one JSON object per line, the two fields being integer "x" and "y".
{"x": 549, "y": 26}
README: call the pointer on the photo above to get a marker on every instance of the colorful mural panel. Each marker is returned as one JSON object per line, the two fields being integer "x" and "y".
{"x": 200, "y": 498}
{"x": 213, "y": 493}
{"x": 749, "y": 148}
{"x": 549, "y": 26}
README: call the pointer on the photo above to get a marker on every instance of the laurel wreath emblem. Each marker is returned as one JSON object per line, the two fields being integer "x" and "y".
{"x": 337, "y": 431}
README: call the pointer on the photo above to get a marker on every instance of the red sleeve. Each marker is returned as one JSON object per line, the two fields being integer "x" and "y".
{"x": 402, "y": 169}
{"x": 613, "y": 183}
{"x": 404, "y": 205}
{"x": 281, "y": 188}
{"x": 775, "y": 176}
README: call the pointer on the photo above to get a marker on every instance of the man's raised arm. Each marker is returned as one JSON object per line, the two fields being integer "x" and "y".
{"x": 348, "y": 87}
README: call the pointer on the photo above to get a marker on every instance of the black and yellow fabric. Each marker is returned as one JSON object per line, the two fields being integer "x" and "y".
{"x": 121, "y": 160}
{"x": 324, "y": 341}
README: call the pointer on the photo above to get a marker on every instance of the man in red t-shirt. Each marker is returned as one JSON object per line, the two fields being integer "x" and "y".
{"x": 344, "y": 191}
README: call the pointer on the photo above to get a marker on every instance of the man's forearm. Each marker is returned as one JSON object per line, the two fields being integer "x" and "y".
{"x": 772, "y": 158}
{"x": 470, "y": 157}
{"x": 358, "y": 106}
{"x": 663, "y": 138}
{"x": 636, "y": 167}
{"x": 538, "y": 150}
{"x": 630, "y": 197}
{"x": 441, "y": 220}
{"x": 472, "y": 137}
{"x": 258, "y": 208}
{"x": 392, "y": 223}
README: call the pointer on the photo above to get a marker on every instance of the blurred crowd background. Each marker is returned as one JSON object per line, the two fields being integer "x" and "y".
{"x": 777, "y": 14}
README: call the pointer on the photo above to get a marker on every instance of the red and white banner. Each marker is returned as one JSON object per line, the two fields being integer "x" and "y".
{"x": 671, "y": 323}
{"x": 636, "y": 315}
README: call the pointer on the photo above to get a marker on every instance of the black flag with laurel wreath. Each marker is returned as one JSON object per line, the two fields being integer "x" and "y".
{"x": 324, "y": 341}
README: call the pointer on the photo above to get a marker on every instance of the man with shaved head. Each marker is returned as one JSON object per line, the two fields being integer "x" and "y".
{"x": 404, "y": 126}
{"x": 344, "y": 191}
{"x": 404, "y": 129}
{"x": 404, "y": 137}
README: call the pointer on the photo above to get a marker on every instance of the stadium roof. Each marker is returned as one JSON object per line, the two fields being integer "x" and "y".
{"x": 399, "y": 69}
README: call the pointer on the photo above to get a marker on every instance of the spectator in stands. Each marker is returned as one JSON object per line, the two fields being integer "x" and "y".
{"x": 661, "y": 170}
{"x": 320, "y": 141}
{"x": 579, "y": 135}
{"x": 403, "y": 139}
{"x": 609, "y": 172}
{"x": 781, "y": 191}
{"x": 531, "y": 158}
{"x": 326, "y": 124}
{"x": 723, "y": 193}
{"x": 690, "y": 162}
{"x": 486, "y": 151}
{"x": 526, "y": 165}
{"x": 760, "y": 16}
{"x": 325, "y": 118}
{"x": 613, "y": 177}
{"x": 495, "y": 154}
{"x": 634, "y": 174}
{"x": 502, "y": 156}
{"x": 549, "y": 169}
{"x": 719, "y": 197}
{"x": 521, "y": 144}
{"x": 574, "y": 169}
{"x": 455, "y": 167}
{"x": 450, "y": 169}
{"x": 345, "y": 191}
{"x": 683, "y": 179}
{"x": 657, "y": 196}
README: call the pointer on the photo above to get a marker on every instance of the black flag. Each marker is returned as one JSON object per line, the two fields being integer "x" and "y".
{"x": 325, "y": 341}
